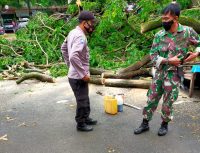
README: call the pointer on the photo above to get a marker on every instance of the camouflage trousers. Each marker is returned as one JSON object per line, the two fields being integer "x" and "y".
{"x": 166, "y": 84}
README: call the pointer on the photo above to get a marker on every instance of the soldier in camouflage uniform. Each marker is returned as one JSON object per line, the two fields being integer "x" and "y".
{"x": 170, "y": 45}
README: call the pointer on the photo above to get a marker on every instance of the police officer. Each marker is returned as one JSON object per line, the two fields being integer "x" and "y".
{"x": 169, "y": 47}
{"x": 76, "y": 55}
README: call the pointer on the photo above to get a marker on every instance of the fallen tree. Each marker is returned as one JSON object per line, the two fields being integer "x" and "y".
{"x": 38, "y": 76}
{"x": 125, "y": 83}
{"x": 135, "y": 66}
{"x": 99, "y": 71}
{"x": 127, "y": 75}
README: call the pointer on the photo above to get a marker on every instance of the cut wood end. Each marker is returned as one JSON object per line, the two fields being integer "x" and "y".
{"x": 142, "y": 29}
{"x": 103, "y": 81}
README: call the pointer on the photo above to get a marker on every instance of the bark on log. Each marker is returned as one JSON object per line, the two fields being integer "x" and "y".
{"x": 135, "y": 66}
{"x": 99, "y": 71}
{"x": 151, "y": 25}
{"x": 127, "y": 75}
{"x": 95, "y": 76}
{"x": 38, "y": 76}
{"x": 98, "y": 81}
{"x": 33, "y": 70}
{"x": 144, "y": 84}
{"x": 27, "y": 65}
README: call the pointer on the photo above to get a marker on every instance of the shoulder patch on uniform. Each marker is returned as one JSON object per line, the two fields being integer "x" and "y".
{"x": 82, "y": 40}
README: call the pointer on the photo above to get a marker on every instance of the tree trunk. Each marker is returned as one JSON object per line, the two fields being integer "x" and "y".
{"x": 98, "y": 81}
{"x": 151, "y": 25}
{"x": 135, "y": 66}
{"x": 127, "y": 75}
{"x": 98, "y": 71}
{"x": 122, "y": 83}
{"x": 38, "y": 76}
{"x": 127, "y": 83}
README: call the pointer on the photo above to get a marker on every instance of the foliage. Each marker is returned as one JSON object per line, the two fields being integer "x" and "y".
{"x": 154, "y": 7}
{"x": 9, "y": 61}
{"x": 193, "y": 13}
{"x": 185, "y": 3}
{"x": 72, "y": 9}
{"x": 116, "y": 42}
{"x": 44, "y": 3}
{"x": 49, "y": 36}
{"x": 58, "y": 70}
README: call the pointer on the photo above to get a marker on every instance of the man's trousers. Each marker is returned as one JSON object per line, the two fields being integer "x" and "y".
{"x": 166, "y": 84}
{"x": 81, "y": 92}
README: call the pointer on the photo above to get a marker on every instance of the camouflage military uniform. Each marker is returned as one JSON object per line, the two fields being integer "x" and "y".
{"x": 166, "y": 81}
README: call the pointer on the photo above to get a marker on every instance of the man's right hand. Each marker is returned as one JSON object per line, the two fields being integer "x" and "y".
{"x": 175, "y": 61}
{"x": 86, "y": 78}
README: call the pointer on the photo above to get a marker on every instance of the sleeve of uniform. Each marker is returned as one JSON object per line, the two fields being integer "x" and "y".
{"x": 194, "y": 39}
{"x": 154, "y": 53}
{"x": 74, "y": 57}
{"x": 64, "y": 50}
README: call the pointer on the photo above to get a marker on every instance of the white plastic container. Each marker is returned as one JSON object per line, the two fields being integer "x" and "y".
{"x": 120, "y": 102}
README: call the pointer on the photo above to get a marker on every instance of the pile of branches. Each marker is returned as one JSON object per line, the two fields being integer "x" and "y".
{"x": 124, "y": 77}
{"x": 24, "y": 71}
{"x": 117, "y": 42}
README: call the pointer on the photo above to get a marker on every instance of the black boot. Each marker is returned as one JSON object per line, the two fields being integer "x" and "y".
{"x": 84, "y": 127}
{"x": 143, "y": 127}
{"x": 90, "y": 121}
{"x": 163, "y": 129}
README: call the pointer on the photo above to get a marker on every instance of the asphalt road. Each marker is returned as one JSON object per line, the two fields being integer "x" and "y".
{"x": 39, "y": 118}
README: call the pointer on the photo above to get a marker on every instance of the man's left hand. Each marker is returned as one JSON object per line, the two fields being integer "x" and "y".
{"x": 191, "y": 56}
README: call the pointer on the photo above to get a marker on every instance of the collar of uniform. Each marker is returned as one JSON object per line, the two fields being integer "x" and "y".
{"x": 77, "y": 27}
{"x": 180, "y": 29}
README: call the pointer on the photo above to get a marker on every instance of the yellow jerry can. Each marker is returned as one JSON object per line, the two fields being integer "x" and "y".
{"x": 110, "y": 105}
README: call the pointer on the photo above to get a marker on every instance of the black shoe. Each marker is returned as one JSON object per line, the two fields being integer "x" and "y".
{"x": 163, "y": 129}
{"x": 143, "y": 127}
{"x": 84, "y": 127}
{"x": 90, "y": 121}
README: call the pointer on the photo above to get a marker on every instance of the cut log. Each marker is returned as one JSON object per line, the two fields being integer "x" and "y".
{"x": 99, "y": 71}
{"x": 97, "y": 81}
{"x": 127, "y": 75}
{"x": 144, "y": 84}
{"x": 38, "y": 76}
{"x": 27, "y": 65}
{"x": 147, "y": 78}
{"x": 95, "y": 76}
{"x": 33, "y": 70}
{"x": 148, "y": 65}
{"x": 135, "y": 66}
{"x": 151, "y": 25}
{"x": 125, "y": 83}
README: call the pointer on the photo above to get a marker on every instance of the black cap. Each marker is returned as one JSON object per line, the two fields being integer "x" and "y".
{"x": 86, "y": 15}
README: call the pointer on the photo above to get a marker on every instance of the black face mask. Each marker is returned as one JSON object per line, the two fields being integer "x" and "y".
{"x": 167, "y": 25}
{"x": 90, "y": 28}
